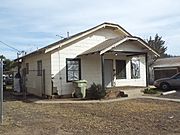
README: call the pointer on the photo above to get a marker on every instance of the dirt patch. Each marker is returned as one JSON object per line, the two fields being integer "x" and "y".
{"x": 137, "y": 116}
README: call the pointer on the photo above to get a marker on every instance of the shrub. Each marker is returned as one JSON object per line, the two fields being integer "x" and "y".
{"x": 95, "y": 92}
{"x": 150, "y": 91}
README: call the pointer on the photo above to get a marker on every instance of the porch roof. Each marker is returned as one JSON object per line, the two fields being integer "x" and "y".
{"x": 103, "y": 45}
{"x": 111, "y": 43}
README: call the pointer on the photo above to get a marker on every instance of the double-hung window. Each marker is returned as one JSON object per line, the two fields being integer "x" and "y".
{"x": 73, "y": 70}
{"x": 39, "y": 68}
{"x": 135, "y": 69}
{"x": 27, "y": 68}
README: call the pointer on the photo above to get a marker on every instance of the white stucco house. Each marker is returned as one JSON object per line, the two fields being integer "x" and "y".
{"x": 106, "y": 54}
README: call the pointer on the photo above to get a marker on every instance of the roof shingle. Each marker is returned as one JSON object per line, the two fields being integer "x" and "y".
{"x": 103, "y": 45}
{"x": 167, "y": 62}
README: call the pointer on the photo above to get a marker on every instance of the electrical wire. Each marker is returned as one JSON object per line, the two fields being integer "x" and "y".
{"x": 10, "y": 46}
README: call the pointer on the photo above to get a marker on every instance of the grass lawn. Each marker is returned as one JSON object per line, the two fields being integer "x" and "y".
{"x": 137, "y": 116}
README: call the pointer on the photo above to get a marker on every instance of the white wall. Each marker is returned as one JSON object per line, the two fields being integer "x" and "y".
{"x": 58, "y": 60}
{"x": 91, "y": 69}
{"x": 34, "y": 83}
{"x": 130, "y": 46}
{"x": 128, "y": 81}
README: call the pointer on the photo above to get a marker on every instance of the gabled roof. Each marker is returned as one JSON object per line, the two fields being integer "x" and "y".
{"x": 167, "y": 62}
{"x": 84, "y": 33}
{"x": 111, "y": 43}
{"x": 65, "y": 41}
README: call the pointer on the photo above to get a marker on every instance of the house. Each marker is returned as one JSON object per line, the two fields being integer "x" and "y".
{"x": 106, "y": 54}
{"x": 165, "y": 67}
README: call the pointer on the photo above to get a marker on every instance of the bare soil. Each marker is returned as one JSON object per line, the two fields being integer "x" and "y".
{"x": 137, "y": 116}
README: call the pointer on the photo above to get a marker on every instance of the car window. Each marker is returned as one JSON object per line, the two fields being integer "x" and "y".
{"x": 177, "y": 76}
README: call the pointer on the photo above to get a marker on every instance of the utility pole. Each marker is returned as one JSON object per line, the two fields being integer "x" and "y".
{"x": 1, "y": 90}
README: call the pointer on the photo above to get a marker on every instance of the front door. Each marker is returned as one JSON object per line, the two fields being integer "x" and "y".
{"x": 108, "y": 72}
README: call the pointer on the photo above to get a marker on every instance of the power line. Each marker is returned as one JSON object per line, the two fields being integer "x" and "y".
{"x": 10, "y": 46}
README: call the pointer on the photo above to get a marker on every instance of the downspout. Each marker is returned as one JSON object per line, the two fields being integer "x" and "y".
{"x": 102, "y": 69}
{"x": 60, "y": 78}
{"x": 147, "y": 70}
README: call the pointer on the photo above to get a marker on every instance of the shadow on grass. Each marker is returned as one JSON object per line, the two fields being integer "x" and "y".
{"x": 10, "y": 95}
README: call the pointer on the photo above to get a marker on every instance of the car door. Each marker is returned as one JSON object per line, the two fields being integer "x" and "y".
{"x": 175, "y": 81}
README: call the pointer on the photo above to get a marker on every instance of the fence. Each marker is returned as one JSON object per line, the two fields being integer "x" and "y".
{"x": 33, "y": 81}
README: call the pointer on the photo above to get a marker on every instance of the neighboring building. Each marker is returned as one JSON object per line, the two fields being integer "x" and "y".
{"x": 165, "y": 67}
{"x": 106, "y": 54}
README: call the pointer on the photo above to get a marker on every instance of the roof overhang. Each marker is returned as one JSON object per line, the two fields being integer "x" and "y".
{"x": 128, "y": 39}
{"x": 110, "y": 44}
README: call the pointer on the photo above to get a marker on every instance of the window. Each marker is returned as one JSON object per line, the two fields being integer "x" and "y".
{"x": 39, "y": 67}
{"x": 73, "y": 71}
{"x": 120, "y": 69}
{"x": 176, "y": 76}
{"x": 27, "y": 68}
{"x": 135, "y": 68}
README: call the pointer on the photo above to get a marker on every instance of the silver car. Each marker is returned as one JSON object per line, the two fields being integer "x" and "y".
{"x": 168, "y": 83}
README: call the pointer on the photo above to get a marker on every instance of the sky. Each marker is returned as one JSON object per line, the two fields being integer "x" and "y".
{"x": 28, "y": 25}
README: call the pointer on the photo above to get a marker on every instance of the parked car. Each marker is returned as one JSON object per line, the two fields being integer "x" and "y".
{"x": 4, "y": 81}
{"x": 168, "y": 83}
{"x": 7, "y": 80}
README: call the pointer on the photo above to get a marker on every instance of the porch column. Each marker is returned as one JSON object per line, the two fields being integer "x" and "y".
{"x": 147, "y": 70}
{"x": 102, "y": 69}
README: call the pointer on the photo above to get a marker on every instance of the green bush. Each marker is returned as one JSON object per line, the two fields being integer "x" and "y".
{"x": 95, "y": 92}
{"x": 150, "y": 91}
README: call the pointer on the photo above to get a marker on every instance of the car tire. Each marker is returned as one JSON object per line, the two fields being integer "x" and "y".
{"x": 165, "y": 86}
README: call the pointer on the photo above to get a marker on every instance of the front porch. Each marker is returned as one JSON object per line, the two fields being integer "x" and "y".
{"x": 121, "y": 69}
{"x": 119, "y": 62}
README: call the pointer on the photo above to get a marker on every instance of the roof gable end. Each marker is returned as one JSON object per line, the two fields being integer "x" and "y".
{"x": 84, "y": 33}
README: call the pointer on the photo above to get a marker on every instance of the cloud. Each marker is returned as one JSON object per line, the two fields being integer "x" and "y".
{"x": 37, "y": 22}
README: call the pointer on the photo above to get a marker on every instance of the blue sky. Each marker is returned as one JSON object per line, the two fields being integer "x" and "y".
{"x": 31, "y": 24}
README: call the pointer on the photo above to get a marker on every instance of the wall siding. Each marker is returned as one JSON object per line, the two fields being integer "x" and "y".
{"x": 129, "y": 46}
{"x": 91, "y": 69}
{"x": 34, "y": 83}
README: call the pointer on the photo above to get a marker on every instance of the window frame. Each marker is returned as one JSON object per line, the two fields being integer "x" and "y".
{"x": 39, "y": 68}
{"x": 27, "y": 68}
{"x": 124, "y": 68}
{"x": 79, "y": 64}
{"x": 139, "y": 77}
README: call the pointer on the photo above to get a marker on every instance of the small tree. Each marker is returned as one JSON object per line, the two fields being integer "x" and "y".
{"x": 158, "y": 44}
{"x": 8, "y": 64}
